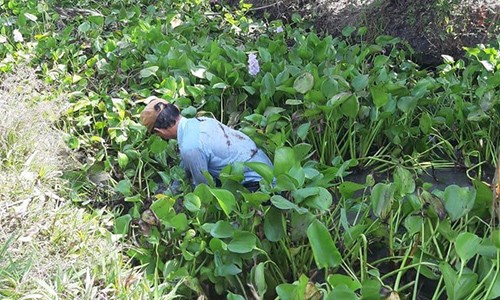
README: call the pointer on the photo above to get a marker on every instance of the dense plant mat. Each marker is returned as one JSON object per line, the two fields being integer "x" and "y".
{"x": 322, "y": 106}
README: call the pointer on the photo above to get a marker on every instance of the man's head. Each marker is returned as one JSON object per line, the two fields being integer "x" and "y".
{"x": 160, "y": 117}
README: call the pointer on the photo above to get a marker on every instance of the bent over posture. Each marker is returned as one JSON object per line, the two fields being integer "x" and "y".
{"x": 205, "y": 144}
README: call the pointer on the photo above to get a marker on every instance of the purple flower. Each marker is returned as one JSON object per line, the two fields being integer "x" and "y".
{"x": 253, "y": 64}
{"x": 279, "y": 29}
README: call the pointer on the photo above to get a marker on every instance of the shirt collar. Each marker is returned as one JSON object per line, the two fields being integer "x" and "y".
{"x": 180, "y": 129}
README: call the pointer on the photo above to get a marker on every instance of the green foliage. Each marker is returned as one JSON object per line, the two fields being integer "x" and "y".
{"x": 320, "y": 105}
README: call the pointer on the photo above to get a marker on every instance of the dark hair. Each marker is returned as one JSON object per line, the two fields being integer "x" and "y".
{"x": 167, "y": 117}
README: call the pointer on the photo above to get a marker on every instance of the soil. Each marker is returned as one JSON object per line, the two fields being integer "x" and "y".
{"x": 431, "y": 27}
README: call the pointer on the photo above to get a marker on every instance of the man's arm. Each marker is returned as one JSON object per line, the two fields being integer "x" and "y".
{"x": 195, "y": 163}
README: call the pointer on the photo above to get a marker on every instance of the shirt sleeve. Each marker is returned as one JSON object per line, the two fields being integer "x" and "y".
{"x": 195, "y": 163}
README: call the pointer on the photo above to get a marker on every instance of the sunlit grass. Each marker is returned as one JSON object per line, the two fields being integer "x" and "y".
{"x": 50, "y": 248}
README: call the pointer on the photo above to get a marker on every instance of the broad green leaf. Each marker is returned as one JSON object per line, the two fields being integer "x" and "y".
{"x": 348, "y": 188}
{"x": 314, "y": 197}
{"x": 222, "y": 269}
{"x": 303, "y": 130}
{"x": 287, "y": 291}
{"x": 122, "y": 160}
{"x": 458, "y": 201}
{"x": 124, "y": 187}
{"x": 122, "y": 224}
{"x": 222, "y": 229}
{"x": 231, "y": 296}
{"x": 341, "y": 292}
{"x": 268, "y": 86}
{"x": 256, "y": 198}
{"x": 304, "y": 83}
{"x": 259, "y": 278}
{"x": 370, "y": 289}
{"x": 360, "y": 82}
{"x": 283, "y": 204}
{"x": 382, "y": 197}
{"x": 161, "y": 208}
{"x": 407, "y": 103}
{"x": 339, "y": 279}
{"x": 192, "y": 202}
{"x": 262, "y": 169}
{"x": 242, "y": 242}
{"x": 225, "y": 199}
{"x": 179, "y": 222}
{"x": 158, "y": 145}
{"x": 84, "y": 27}
{"x": 325, "y": 253}
{"x": 379, "y": 96}
{"x": 425, "y": 123}
{"x": 467, "y": 245}
{"x": 148, "y": 72}
{"x": 274, "y": 224}
{"x": 403, "y": 181}
{"x": 350, "y": 107}
{"x": 284, "y": 160}
{"x": 413, "y": 224}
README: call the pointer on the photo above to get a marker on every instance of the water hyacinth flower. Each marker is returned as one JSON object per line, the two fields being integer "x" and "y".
{"x": 279, "y": 29}
{"x": 253, "y": 64}
{"x": 18, "y": 37}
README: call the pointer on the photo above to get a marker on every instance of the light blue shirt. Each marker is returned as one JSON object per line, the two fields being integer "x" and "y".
{"x": 205, "y": 144}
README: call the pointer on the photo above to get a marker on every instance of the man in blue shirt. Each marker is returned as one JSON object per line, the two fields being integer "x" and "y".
{"x": 205, "y": 144}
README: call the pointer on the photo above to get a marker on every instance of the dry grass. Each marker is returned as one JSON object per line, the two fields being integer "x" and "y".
{"x": 49, "y": 248}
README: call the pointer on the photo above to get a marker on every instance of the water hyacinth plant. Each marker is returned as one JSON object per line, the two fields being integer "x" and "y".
{"x": 253, "y": 64}
{"x": 325, "y": 108}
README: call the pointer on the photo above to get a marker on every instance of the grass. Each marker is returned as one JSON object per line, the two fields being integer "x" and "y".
{"x": 49, "y": 247}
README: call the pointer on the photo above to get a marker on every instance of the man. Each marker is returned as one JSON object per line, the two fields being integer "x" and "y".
{"x": 205, "y": 144}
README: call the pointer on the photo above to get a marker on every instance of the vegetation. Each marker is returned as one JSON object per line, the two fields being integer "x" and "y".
{"x": 323, "y": 107}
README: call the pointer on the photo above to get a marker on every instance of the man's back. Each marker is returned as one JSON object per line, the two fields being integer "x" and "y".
{"x": 219, "y": 145}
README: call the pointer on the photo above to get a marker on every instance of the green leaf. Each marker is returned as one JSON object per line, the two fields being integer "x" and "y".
{"x": 256, "y": 198}
{"x": 370, "y": 289}
{"x": 262, "y": 169}
{"x": 158, "y": 145}
{"x": 325, "y": 253}
{"x": 222, "y": 229}
{"x": 192, "y": 202}
{"x": 231, "y": 296}
{"x": 467, "y": 245}
{"x": 242, "y": 242}
{"x": 339, "y": 280}
{"x": 148, "y": 72}
{"x": 274, "y": 224}
{"x": 84, "y": 27}
{"x": 348, "y": 188}
{"x": 259, "y": 278}
{"x": 226, "y": 200}
{"x": 124, "y": 187}
{"x": 122, "y": 224}
{"x": 407, "y": 104}
{"x": 161, "y": 208}
{"x": 350, "y": 107}
{"x": 268, "y": 87}
{"x": 342, "y": 292}
{"x": 379, "y": 96}
{"x": 122, "y": 160}
{"x": 283, "y": 204}
{"x": 303, "y": 130}
{"x": 304, "y": 83}
{"x": 458, "y": 201}
{"x": 284, "y": 160}
{"x": 360, "y": 82}
{"x": 382, "y": 197}
{"x": 403, "y": 181}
